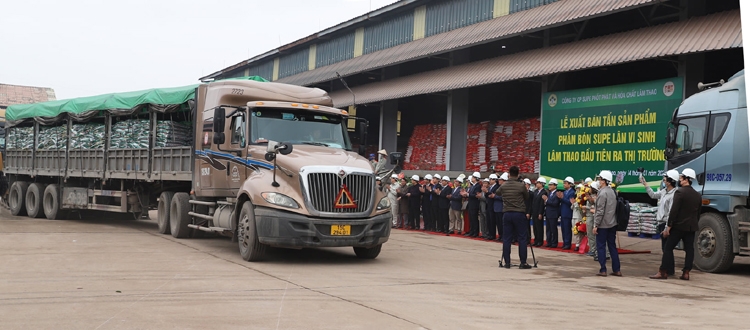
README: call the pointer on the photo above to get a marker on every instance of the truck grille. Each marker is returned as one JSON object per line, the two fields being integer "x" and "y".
{"x": 323, "y": 188}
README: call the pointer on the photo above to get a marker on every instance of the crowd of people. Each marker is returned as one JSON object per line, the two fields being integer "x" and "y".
{"x": 507, "y": 208}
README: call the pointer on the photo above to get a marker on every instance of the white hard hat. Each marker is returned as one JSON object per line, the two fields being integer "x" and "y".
{"x": 377, "y": 178}
{"x": 437, "y": 176}
{"x": 394, "y": 176}
{"x": 415, "y": 177}
{"x": 588, "y": 180}
{"x": 569, "y": 180}
{"x": 504, "y": 177}
{"x": 476, "y": 175}
{"x": 595, "y": 185}
{"x": 486, "y": 180}
{"x": 428, "y": 177}
{"x": 526, "y": 181}
{"x": 606, "y": 175}
{"x": 542, "y": 180}
{"x": 689, "y": 172}
{"x": 579, "y": 186}
{"x": 446, "y": 178}
{"x": 460, "y": 179}
{"x": 553, "y": 181}
{"x": 673, "y": 174}
{"x": 493, "y": 176}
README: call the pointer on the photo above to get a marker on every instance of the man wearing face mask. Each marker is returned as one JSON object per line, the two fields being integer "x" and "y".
{"x": 665, "y": 197}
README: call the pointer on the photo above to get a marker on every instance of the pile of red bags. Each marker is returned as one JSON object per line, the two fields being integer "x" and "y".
{"x": 426, "y": 150}
{"x": 476, "y": 147}
{"x": 516, "y": 142}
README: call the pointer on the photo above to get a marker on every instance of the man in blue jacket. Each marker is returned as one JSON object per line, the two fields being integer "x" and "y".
{"x": 457, "y": 197}
{"x": 566, "y": 212}
{"x": 552, "y": 213}
{"x": 473, "y": 206}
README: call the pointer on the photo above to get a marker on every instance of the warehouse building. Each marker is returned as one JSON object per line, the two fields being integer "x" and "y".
{"x": 427, "y": 74}
{"x": 15, "y": 94}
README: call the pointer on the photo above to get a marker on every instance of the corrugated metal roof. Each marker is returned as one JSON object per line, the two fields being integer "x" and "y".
{"x": 699, "y": 34}
{"x": 15, "y": 94}
{"x": 560, "y": 12}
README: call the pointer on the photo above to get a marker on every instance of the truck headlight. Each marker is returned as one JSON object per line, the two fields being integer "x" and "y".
{"x": 279, "y": 199}
{"x": 384, "y": 204}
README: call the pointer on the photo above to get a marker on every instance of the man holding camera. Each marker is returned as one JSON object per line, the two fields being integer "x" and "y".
{"x": 514, "y": 195}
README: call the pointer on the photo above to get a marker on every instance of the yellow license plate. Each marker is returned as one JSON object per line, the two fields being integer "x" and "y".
{"x": 341, "y": 230}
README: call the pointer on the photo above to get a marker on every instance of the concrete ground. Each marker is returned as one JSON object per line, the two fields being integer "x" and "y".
{"x": 107, "y": 274}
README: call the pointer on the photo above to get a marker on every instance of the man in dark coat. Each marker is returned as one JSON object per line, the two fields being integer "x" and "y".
{"x": 415, "y": 200}
{"x": 552, "y": 212}
{"x": 427, "y": 202}
{"x": 473, "y": 206}
{"x": 444, "y": 205}
{"x": 434, "y": 206}
{"x": 681, "y": 226}
{"x": 515, "y": 194}
{"x": 537, "y": 211}
{"x": 491, "y": 233}
{"x": 457, "y": 196}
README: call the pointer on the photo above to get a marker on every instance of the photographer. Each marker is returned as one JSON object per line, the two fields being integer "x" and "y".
{"x": 664, "y": 197}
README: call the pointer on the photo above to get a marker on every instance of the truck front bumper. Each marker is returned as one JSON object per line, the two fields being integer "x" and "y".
{"x": 291, "y": 230}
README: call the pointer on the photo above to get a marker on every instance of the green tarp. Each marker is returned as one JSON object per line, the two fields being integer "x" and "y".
{"x": 113, "y": 101}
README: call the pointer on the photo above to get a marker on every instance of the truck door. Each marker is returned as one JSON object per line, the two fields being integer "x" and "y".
{"x": 236, "y": 148}
{"x": 690, "y": 151}
{"x": 722, "y": 167}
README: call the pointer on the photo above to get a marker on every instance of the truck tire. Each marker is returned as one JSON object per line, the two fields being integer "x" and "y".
{"x": 247, "y": 235}
{"x": 17, "y": 198}
{"x": 368, "y": 253}
{"x": 714, "y": 252}
{"x": 162, "y": 215}
{"x": 51, "y": 202}
{"x": 34, "y": 194}
{"x": 178, "y": 215}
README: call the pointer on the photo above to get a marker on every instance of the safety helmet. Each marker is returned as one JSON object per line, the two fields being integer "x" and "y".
{"x": 595, "y": 185}
{"x": 504, "y": 177}
{"x": 437, "y": 176}
{"x": 588, "y": 180}
{"x": 606, "y": 175}
{"x": 673, "y": 174}
{"x": 446, "y": 178}
{"x": 476, "y": 175}
{"x": 527, "y": 181}
{"x": 415, "y": 177}
{"x": 569, "y": 180}
{"x": 428, "y": 177}
{"x": 553, "y": 181}
{"x": 460, "y": 179}
{"x": 493, "y": 176}
{"x": 377, "y": 178}
{"x": 542, "y": 180}
{"x": 689, "y": 173}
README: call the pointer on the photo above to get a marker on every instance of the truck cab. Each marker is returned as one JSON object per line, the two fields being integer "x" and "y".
{"x": 710, "y": 133}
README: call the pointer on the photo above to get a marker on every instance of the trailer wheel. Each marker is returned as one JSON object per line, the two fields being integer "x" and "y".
{"x": 51, "y": 202}
{"x": 17, "y": 198}
{"x": 368, "y": 253}
{"x": 178, "y": 215}
{"x": 713, "y": 244}
{"x": 34, "y": 194}
{"x": 247, "y": 235}
{"x": 162, "y": 215}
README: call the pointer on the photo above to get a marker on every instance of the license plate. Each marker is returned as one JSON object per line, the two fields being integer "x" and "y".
{"x": 341, "y": 230}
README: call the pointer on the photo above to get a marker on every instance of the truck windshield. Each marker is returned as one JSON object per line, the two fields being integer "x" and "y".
{"x": 298, "y": 127}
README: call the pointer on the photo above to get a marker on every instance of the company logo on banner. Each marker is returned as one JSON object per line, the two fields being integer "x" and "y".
{"x": 617, "y": 128}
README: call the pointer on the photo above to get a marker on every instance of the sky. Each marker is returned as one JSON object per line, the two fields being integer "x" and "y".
{"x": 87, "y": 47}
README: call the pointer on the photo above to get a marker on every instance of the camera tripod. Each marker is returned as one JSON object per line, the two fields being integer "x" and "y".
{"x": 500, "y": 262}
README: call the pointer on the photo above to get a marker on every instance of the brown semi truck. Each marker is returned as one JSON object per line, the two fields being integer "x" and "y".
{"x": 267, "y": 164}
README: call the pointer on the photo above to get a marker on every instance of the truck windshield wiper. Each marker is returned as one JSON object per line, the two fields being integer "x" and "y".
{"x": 321, "y": 144}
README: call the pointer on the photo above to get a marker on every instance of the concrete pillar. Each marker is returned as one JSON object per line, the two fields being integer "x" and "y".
{"x": 388, "y": 136}
{"x": 458, "y": 126}
{"x": 691, "y": 68}
{"x": 458, "y": 119}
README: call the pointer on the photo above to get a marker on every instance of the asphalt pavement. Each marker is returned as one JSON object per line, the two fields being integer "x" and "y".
{"x": 122, "y": 274}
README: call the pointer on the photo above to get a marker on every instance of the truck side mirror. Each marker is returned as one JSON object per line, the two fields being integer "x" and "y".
{"x": 361, "y": 150}
{"x": 669, "y": 148}
{"x": 396, "y": 158}
{"x": 219, "y": 122}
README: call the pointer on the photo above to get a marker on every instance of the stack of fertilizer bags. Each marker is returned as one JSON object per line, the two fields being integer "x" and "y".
{"x": 642, "y": 219}
{"x": 55, "y": 137}
{"x": 173, "y": 134}
{"x": 130, "y": 134}
{"x": 87, "y": 136}
{"x": 20, "y": 138}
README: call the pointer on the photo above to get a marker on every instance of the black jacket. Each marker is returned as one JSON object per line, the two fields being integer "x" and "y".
{"x": 443, "y": 200}
{"x": 473, "y": 200}
{"x": 436, "y": 196}
{"x": 537, "y": 203}
{"x": 415, "y": 198}
{"x": 686, "y": 209}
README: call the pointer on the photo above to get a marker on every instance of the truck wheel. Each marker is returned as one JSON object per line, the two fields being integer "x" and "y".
{"x": 368, "y": 253}
{"x": 17, "y": 198}
{"x": 51, "y": 202}
{"x": 162, "y": 216}
{"x": 34, "y": 208}
{"x": 178, "y": 215}
{"x": 713, "y": 244}
{"x": 247, "y": 235}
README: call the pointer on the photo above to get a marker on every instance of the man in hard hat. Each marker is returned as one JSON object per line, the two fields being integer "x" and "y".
{"x": 682, "y": 224}
{"x": 514, "y": 195}
{"x": 566, "y": 212}
{"x": 485, "y": 186}
{"x": 474, "y": 191}
{"x": 393, "y": 188}
{"x": 457, "y": 198}
{"x": 491, "y": 232}
{"x": 537, "y": 211}
{"x": 499, "y": 205}
{"x": 427, "y": 202}
{"x": 665, "y": 196}
{"x": 444, "y": 205}
{"x": 415, "y": 201}
{"x": 552, "y": 213}
{"x": 434, "y": 207}
{"x": 605, "y": 225}
{"x": 527, "y": 183}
